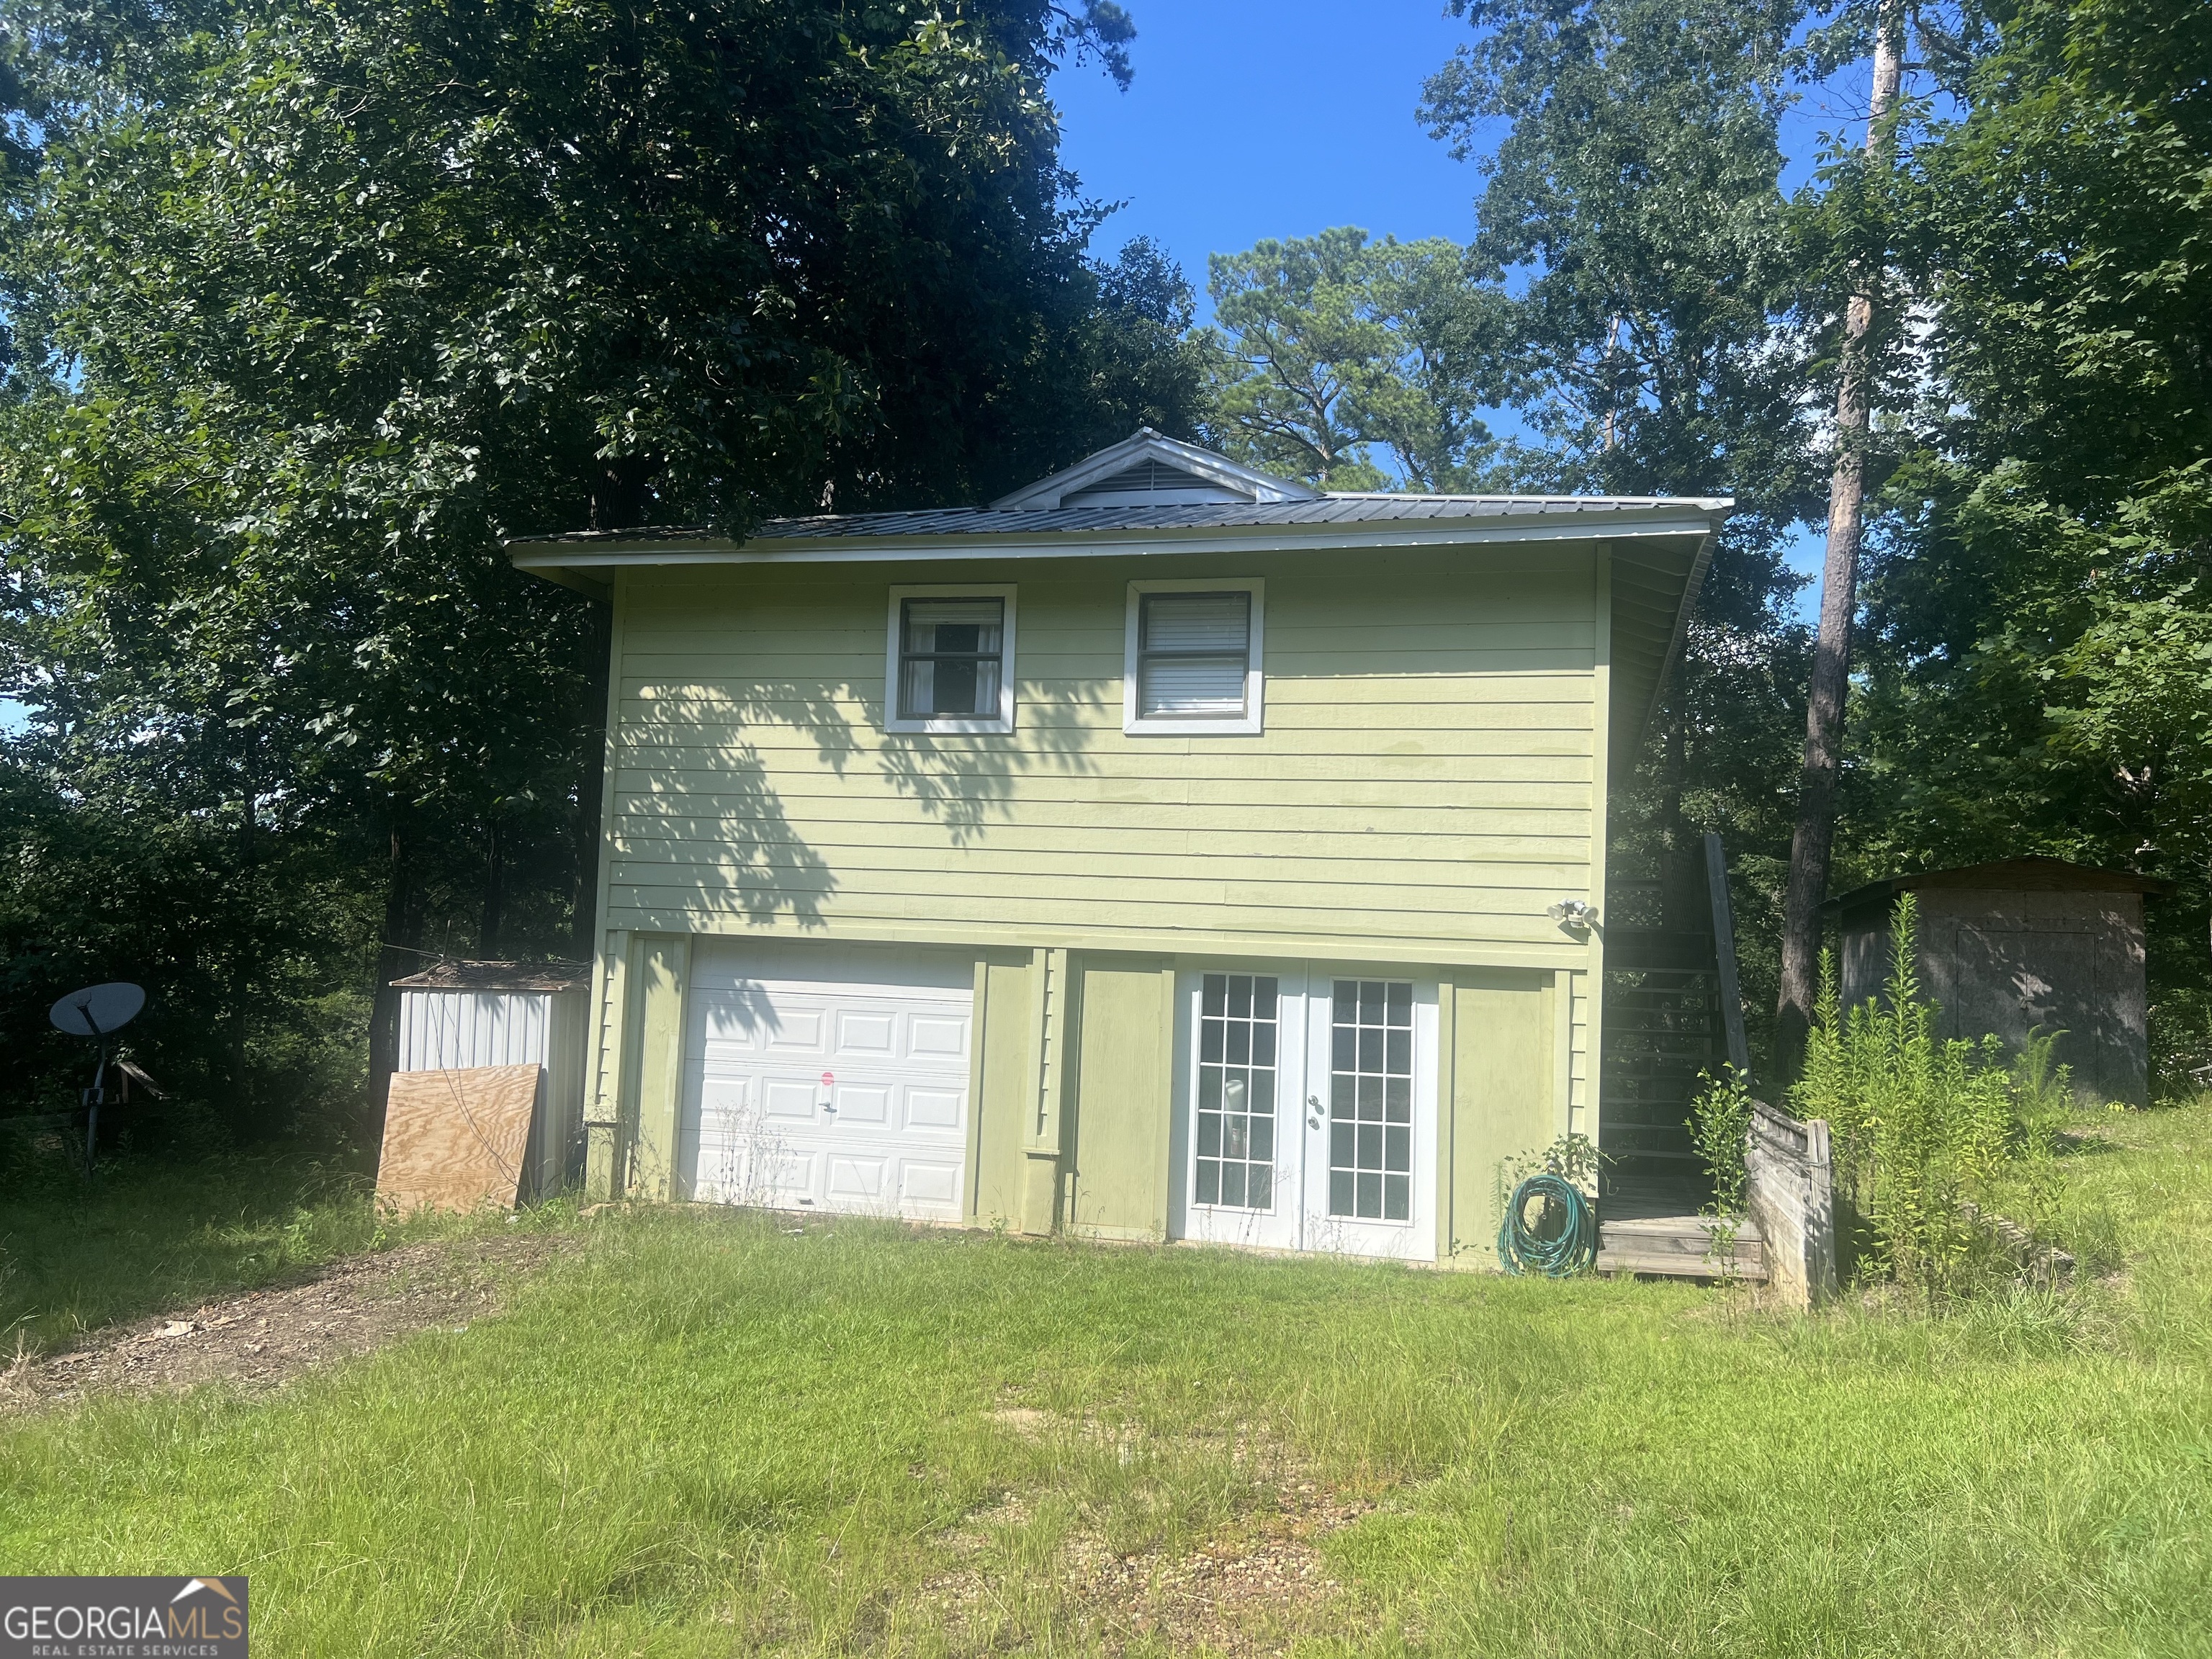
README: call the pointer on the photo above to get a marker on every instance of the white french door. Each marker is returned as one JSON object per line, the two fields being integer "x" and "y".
{"x": 1310, "y": 1110}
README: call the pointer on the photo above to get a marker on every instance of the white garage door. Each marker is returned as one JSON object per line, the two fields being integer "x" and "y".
{"x": 822, "y": 1077}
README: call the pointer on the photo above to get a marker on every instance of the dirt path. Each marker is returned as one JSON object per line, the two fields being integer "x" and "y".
{"x": 261, "y": 1340}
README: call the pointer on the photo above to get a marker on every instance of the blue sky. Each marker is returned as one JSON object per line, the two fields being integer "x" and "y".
{"x": 1268, "y": 118}
{"x": 1281, "y": 118}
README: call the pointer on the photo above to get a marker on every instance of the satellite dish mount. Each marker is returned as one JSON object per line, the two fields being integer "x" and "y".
{"x": 97, "y": 1011}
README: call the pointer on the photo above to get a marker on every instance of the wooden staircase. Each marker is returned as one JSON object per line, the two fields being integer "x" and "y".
{"x": 1663, "y": 1030}
{"x": 1671, "y": 1016}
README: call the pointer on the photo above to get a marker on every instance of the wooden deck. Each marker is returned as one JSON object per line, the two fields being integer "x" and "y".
{"x": 1645, "y": 1227}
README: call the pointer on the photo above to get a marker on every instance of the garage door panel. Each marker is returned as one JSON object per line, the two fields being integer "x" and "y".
{"x": 867, "y": 1035}
{"x": 789, "y": 1100}
{"x": 939, "y": 1038}
{"x": 857, "y": 1183}
{"x": 862, "y": 1104}
{"x": 831, "y": 1077}
{"x": 939, "y": 1109}
{"x": 796, "y": 1031}
{"x": 783, "y": 1175}
{"x": 929, "y": 1188}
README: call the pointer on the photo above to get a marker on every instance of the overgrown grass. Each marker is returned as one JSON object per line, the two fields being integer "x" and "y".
{"x": 147, "y": 1235}
{"x": 704, "y": 1434}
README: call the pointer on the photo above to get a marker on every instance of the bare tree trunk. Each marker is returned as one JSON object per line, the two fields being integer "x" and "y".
{"x": 493, "y": 919}
{"x": 1809, "y": 848}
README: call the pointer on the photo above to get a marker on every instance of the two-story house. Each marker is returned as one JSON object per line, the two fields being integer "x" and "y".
{"x": 1165, "y": 851}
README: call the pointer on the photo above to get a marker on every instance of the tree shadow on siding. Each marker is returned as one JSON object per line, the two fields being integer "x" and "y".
{"x": 763, "y": 864}
{"x": 962, "y": 781}
{"x": 965, "y": 781}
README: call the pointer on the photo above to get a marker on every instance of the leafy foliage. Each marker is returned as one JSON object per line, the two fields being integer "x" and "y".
{"x": 1330, "y": 347}
{"x": 1925, "y": 1127}
{"x": 1719, "y": 1120}
{"x": 312, "y": 306}
{"x": 2043, "y": 669}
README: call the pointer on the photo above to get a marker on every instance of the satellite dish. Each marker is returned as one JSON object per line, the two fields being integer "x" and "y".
{"x": 98, "y": 1010}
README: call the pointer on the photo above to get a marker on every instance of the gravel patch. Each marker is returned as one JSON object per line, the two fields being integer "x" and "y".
{"x": 258, "y": 1341}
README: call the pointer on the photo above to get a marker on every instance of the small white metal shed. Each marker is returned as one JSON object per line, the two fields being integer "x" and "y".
{"x": 458, "y": 1015}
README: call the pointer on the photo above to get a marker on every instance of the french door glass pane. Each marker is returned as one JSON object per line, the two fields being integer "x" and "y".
{"x": 1370, "y": 1101}
{"x": 1234, "y": 1157}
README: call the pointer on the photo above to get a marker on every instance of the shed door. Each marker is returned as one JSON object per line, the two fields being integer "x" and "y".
{"x": 822, "y": 1077}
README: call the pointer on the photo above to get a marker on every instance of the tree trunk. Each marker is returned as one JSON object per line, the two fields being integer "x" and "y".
{"x": 494, "y": 893}
{"x": 1814, "y": 838}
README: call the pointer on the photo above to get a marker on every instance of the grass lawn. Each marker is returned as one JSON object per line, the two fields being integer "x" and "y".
{"x": 706, "y": 1434}
{"x": 149, "y": 1235}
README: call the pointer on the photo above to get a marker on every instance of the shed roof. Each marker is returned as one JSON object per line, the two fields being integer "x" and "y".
{"x": 2033, "y": 874}
{"x": 451, "y": 976}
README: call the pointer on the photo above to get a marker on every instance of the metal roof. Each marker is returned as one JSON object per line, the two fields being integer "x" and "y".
{"x": 452, "y": 975}
{"x": 971, "y": 521}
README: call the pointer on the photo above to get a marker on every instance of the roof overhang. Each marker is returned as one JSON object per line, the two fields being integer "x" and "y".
{"x": 598, "y": 556}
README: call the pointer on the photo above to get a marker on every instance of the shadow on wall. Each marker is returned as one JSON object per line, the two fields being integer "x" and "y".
{"x": 707, "y": 782}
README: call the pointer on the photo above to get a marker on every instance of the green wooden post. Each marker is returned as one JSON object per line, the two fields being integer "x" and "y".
{"x": 663, "y": 977}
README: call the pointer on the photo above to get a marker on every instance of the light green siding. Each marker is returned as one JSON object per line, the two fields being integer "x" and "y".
{"x": 1425, "y": 778}
{"x": 1126, "y": 1019}
{"x": 1504, "y": 1102}
{"x": 1428, "y": 781}
{"x": 661, "y": 980}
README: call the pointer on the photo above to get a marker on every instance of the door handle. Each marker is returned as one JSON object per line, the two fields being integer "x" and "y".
{"x": 1314, "y": 1105}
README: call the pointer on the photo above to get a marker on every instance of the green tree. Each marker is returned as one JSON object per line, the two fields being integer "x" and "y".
{"x": 311, "y": 306}
{"x": 2039, "y": 608}
{"x": 1327, "y": 349}
{"x": 1633, "y": 196}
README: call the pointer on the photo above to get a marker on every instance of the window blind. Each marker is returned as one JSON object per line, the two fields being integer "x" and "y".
{"x": 1193, "y": 653}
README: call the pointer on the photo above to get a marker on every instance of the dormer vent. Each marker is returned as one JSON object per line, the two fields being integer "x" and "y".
{"x": 1154, "y": 482}
{"x": 1148, "y": 470}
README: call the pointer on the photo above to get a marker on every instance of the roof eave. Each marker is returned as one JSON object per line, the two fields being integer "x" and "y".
{"x": 545, "y": 557}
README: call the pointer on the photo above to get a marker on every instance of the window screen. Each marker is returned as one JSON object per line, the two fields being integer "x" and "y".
{"x": 951, "y": 660}
{"x": 1370, "y": 1101}
{"x": 1192, "y": 651}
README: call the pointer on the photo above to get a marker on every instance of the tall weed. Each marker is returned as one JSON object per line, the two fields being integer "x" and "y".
{"x": 1929, "y": 1131}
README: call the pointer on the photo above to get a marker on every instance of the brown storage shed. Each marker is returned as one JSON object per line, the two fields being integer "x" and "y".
{"x": 2019, "y": 944}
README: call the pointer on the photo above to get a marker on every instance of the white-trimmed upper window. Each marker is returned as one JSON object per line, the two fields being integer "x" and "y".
{"x": 950, "y": 666}
{"x": 1192, "y": 657}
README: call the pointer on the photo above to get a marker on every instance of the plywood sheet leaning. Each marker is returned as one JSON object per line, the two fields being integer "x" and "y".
{"x": 455, "y": 1140}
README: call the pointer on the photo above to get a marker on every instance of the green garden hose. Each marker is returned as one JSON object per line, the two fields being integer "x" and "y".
{"x": 1564, "y": 1239}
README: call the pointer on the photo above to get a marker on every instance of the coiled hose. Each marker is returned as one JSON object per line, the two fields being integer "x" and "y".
{"x": 1564, "y": 1239}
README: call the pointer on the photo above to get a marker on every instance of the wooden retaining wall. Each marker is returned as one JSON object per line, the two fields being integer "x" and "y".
{"x": 1792, "y": 1200}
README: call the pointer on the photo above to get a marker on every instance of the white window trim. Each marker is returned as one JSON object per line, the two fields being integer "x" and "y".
{"x": 1004, "y": 718}
{"x": 1249, "y": 723}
